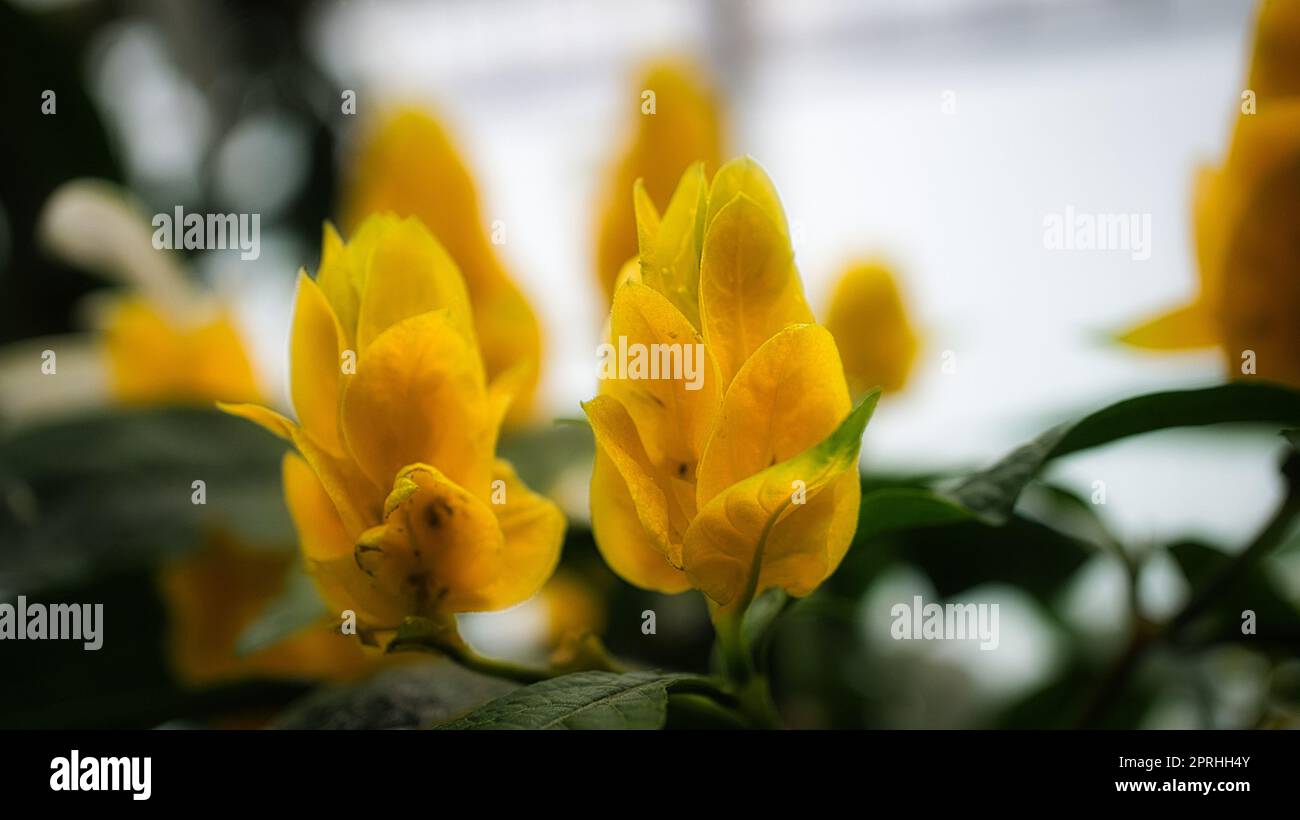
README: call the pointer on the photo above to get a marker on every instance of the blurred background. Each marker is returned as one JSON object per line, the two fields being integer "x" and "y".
{"x": 934, "y": 134}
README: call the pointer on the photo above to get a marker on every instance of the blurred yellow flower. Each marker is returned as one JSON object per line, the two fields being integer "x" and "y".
{"x": 678, "y": 123}
{"x": 573, "y": 606}
{"x": 871, "y": 327}
{"x": 745, "y": 479}
{"x": 401, "y": 508}
{"x": 407, "y": 165}
{"x": 1246, "y": 216}
{"x": 215, "y": 594}
{"x": 154, "y": 357}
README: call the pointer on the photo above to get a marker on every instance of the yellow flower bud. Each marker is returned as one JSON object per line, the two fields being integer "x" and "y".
{"x": 407, "y": 165}
{"x": 870, "y": 324}
{"x": 744, "y": 479}
{"x": 401, "y": 507}
{"x": 678, "y": 122}
{"x": 1246, "y": 216}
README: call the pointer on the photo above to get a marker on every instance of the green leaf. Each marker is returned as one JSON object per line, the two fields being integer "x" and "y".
{"x": 112, "y": 490}
{"x": 585, "y": 700}
{"x": 296, "y": 607}
{"x": 992, "y": 493}
{"x": 902, "y": 508}
{"x": 1277, "y": 620}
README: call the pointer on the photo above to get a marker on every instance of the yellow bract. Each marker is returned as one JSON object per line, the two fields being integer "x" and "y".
{"x": 214, "y": 594}
{"x": 408, "y": 166}
{"x": 401, "y": 507}
{"x": 871, "y": 328}
{"x": 154, "y": 357}
{"x": 1246, "y": 217}
{"x": 745, "y": 478}
{"x": 678, "y": 123}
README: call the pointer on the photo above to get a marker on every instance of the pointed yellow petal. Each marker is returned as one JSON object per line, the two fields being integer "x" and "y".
{"x": 871, "y": 328}
{"x": 789, "y": 395}
{"x": 343, "y": 270}
{"x": 509, "y": 337}
{"x": 616, "y": 437}
{"x": 355, "y": 498}
{"x": 410, "y": 274}
{"x": 670, "y": 257}
{"x": 533, "y": 528}
{"x": 155, "y": 357}
{"x": 647, "y": 216}
{"x": 622, "y": 539}
{"x": 418, "y": 396}
{"x": 749, "y": 287}
{"x": 1274, "y": 70}
{"x": 726, "y": 548}
{"x": 408, "y": 166}
{"x": 262, "y": 416}
{"x": 684, "y": 128}
{"x": 1259, "y": 307}
{"x": 673, "y": 401}
{"x": 331, "y": 245}
{"x": 1187, "y": 327}
{"x": 315, "y": 365}
{"x": 320, "y": 530}
{"x": 745, "y": 176}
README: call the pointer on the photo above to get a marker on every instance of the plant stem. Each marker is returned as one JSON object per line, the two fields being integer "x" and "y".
{"x": 1144, "y": 636}
{"x": 495, "y": 667}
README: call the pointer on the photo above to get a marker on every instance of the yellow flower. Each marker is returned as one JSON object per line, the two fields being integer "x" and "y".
{"x": 214, "y": 594}
{"x": 408, "y": 166}
{"x": 155, "y": 358}
{"x": 871, "y": 328}
{"x": 678, "y": 126}
{"x": 750, "y": 481}
{"x": 573, "y": 607}
{"x": 1246, "y": 216}
{"x": 401, "y": 508}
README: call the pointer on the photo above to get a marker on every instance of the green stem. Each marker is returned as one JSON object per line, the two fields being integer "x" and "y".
{"x": 753, "y": 695}
{"x": 1145, "y": 636}
{"x": 495, "y": 667}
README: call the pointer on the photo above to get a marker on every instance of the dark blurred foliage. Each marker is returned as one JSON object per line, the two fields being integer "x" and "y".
{"x": 41, "y": 152}
{"x": 244, "y": 56}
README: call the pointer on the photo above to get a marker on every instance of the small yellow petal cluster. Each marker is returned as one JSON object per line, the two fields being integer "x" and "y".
{"x": 1247, "y": 220}
{"x": 156, "y": 357}
{"x": 872, "y": 328}
{"x": 745, "y": 477}
{"x": 401, "y": 507}
{"x": 407, "y": 165}
{"x": 678, "y": 122}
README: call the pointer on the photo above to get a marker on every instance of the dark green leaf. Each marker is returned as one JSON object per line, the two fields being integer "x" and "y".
{"x": 901, "y": 508}
{"x": 992, "y": 493}
{"x": 1277, "y": 621}
{"x": 585, "y": 700}
{"x": 114, "y": 490}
